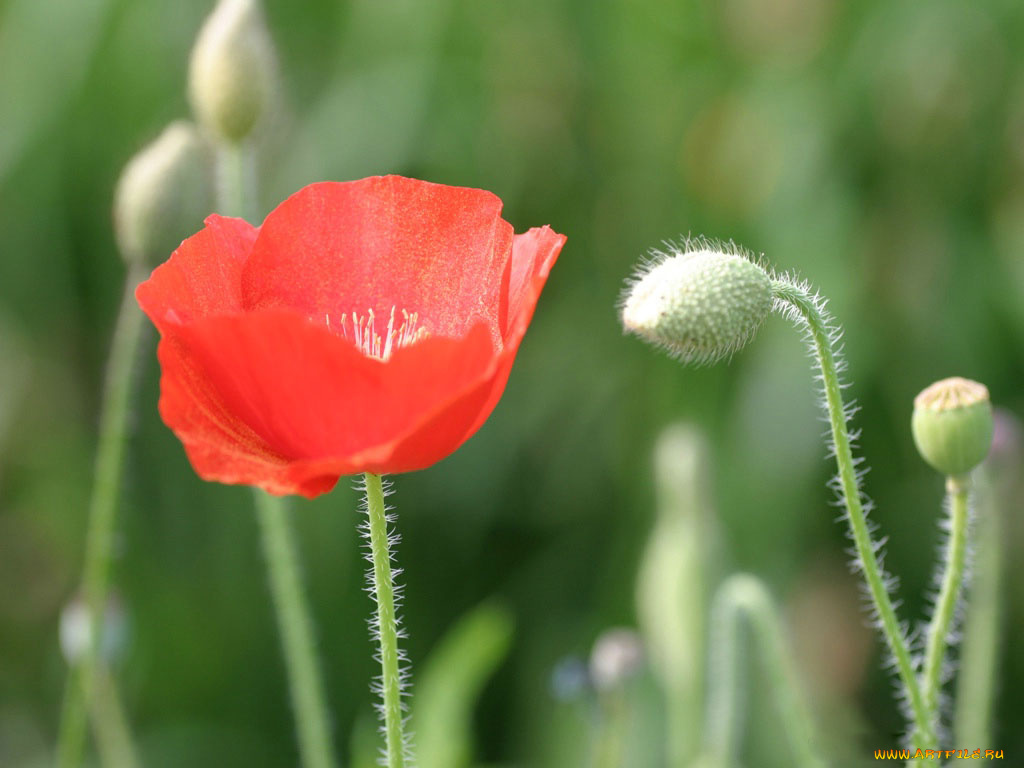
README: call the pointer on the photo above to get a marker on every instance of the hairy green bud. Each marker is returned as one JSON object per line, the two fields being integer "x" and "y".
{"x": 163, "y": 194}
{"x": 701, "y": 303}
{"x": 232, "y": 71}
{"x": 952, "y": 425}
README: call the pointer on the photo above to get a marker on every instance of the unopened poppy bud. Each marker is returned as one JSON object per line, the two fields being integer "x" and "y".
{"x": 952, "y": 425}
{"x": 702, "y": 303}
{"x": 162, "y": 195}
{"x": 232, "y": 70}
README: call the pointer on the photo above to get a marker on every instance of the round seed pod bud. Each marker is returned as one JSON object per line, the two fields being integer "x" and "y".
{"x": 163, "y": 194}
{"x": 952, "y": 425}
{"x": 232, "y": 70}
{"x": 701, "y": 303}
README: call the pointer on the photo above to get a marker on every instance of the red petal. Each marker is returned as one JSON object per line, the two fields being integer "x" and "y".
{"x": 379, "y": 243}
{"x": 270, "y": 387}
{"x": 220, "y": 445}
{"x": 534, "y": 253}
{"x": 203, "y": 276}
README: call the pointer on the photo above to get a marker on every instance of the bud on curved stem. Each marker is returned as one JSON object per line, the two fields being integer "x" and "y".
{"x": 702, "y": 303}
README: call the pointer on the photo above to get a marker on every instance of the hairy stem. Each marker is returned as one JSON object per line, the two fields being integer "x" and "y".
{"x": 307, "y": 694}
{"x": 386, "y": 621}
{"x": 744, "y": 595}
{"x": 803, "y": 306}
{"x": 99, "y": 542}
{"x": 949, "y": 595}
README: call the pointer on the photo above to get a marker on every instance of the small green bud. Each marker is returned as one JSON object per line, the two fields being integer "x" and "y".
{"x": 702, "y": 303}
{"x": 232, "y": 71}
{"x": 952, "y": 425}
{"x": 163, "y": 194}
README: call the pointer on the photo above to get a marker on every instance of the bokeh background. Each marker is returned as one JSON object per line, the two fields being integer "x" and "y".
{"x": 875, "y": 147}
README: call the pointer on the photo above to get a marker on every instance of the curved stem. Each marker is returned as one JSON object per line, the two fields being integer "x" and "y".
{"x": 385, "y": 621}
{"x": 296, "y": 630}
{"x": 803, "y": 306}
{"x": 743, "y": 594}
{"x": 949, "y": 594}
{"x": 103, "y": 505}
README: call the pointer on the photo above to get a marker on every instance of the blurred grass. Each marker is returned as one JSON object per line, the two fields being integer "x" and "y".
{"x": 877, "y": 147}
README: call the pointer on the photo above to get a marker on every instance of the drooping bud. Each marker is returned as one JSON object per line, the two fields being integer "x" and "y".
{"x": 163, "y": 194}
{"x": 952, "y": 425}
{"x": 232, "y": 71}
{"x": 701, "y": 303}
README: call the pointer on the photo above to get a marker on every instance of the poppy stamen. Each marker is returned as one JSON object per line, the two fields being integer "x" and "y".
{"x": 364, "y": 335}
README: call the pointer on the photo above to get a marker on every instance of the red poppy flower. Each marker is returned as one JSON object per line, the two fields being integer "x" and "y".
{"x": 366, "y": 326}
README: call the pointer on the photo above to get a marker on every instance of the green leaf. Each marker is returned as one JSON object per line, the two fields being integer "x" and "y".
{"x": 450, "y": 685}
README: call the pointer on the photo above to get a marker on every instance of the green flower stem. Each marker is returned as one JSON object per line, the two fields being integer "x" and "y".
{"x": 611, "y": 733}
{"x": 386, "y": 621}
{"x": 113, "y": 738}
{"x": 949, "y": 594}
{"x": 106, "y": 492}
{"x": 807, "y": 308}
{"x": 236, "y": 181}
{"x": 307, "y": 694}
{"x": 743, "y": 594}
{"x": 236, "y": 197}
{"x": 976, "y": 680}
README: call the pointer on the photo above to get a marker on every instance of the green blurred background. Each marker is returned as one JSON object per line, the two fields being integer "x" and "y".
{"x": 875, "y": 147}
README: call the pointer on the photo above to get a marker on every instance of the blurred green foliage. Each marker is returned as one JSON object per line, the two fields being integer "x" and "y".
{"x": 876, "y": 147}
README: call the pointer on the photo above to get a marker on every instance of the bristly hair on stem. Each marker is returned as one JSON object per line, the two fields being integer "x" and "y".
{"x": 806, "y": 308}
{"x": 948, "y": 607}
{"x": 386, "y": 630}
{"x": 702, "y": 303}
